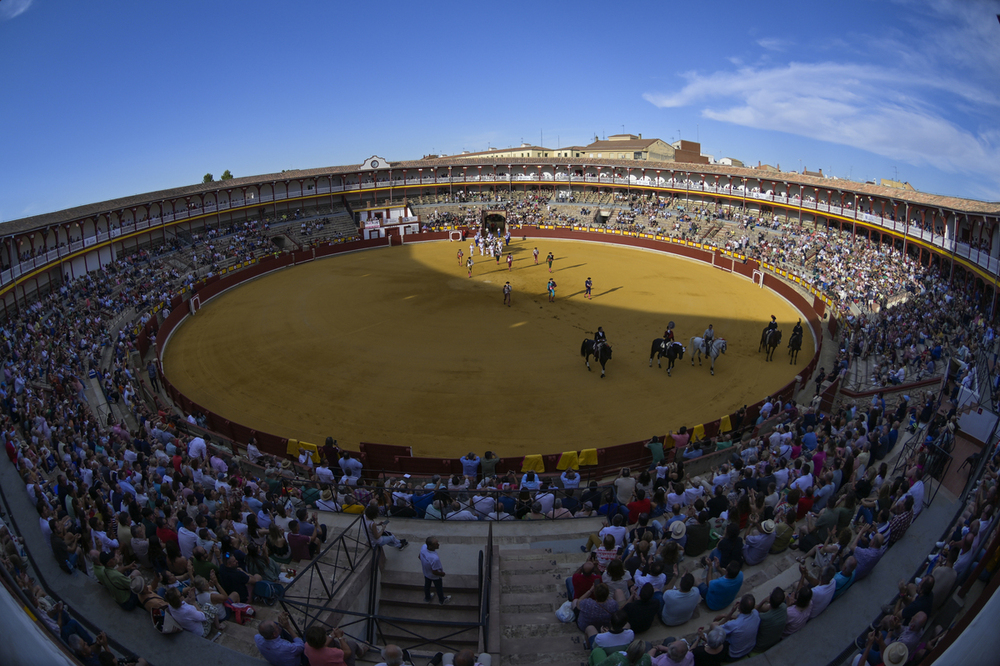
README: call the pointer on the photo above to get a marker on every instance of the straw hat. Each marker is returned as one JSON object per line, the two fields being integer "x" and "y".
{"x": 896, "y": 654}
{"x": 678, "y": 529}
{"x": 767, "y": 526}
{"x": 326, "y": 495}
{"x": 286, "y": 464}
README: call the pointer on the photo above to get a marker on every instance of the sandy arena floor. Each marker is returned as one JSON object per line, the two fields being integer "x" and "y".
{"x": 398, "y": 346}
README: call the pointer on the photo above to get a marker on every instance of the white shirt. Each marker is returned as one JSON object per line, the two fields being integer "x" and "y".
{"x": 916, "y": 491}
{"x": 327, "y": 505}
{"x": 189, "y": 617}
{"x": 692, "y": 495}
{"x": 822, "y": 596}
{"x": 464, "y": 514}
{"x": 324, "y": 474}
{"x": 483, "y": 504}
{"x": 546, "y": 499}
{"x": 197, "y": 448}
{"x": 253, "y": 453}
{"x": 186, "y": 540}
{"x": 781, "y": 477}
{"x": 803, "y": 482}
{"x": 430, "y": 562}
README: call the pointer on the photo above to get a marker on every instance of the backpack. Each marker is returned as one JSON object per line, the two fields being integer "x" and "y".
{"x": 268, "y": 592}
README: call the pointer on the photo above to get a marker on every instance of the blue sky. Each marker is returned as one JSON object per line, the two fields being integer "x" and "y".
{"x": 114, "y": 98}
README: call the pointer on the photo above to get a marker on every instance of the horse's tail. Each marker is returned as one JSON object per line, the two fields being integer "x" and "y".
{"x": 583, "y": 347}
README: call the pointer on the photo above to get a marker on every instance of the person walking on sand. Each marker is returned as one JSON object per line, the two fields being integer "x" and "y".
{"x": 469, "y": 263}
{"x": 506, "y": 294}
{"x": 549, "y": 259}
{"x": 588, "y": 286}
{"x": 510, "y": 262}
{"x": 552, "y": 290}
{"x": 460, "y": 254}
{"x": 535, "y": 253}
{"x": 433, "y": 570}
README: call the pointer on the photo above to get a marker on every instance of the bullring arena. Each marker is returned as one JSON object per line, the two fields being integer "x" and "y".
{"x": 426, "y": 338}
{"x": 277, "y": 311}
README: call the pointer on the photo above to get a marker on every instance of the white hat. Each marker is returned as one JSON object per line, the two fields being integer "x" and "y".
{"x": 767, "y": 526}
{"x": 896, "y": 654}
{"x": 678, "y": 529}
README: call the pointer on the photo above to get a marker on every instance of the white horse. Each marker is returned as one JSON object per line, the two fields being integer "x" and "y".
{"x": 696, "y": 345}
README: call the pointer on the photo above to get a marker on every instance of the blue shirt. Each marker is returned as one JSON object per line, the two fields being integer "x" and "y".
{"x": 742, "y": 633}
{"x": 722, "y": 592}
{"x": 421, "y": 502}
{"x": 279, "y": 652}
{"x": 843, "y": 582}
{"x": 470, "y": 467}
{"x": 809, "y": 441}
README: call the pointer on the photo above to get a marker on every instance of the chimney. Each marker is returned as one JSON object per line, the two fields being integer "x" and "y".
{"x": 640, "y": 136}
{"x": 821, "y": 172}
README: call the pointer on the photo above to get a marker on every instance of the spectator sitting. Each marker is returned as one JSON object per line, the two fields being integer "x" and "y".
{"x": 721, "y": 592}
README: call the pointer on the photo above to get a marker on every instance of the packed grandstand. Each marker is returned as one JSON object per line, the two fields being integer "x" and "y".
{"x": 134, "y": 516}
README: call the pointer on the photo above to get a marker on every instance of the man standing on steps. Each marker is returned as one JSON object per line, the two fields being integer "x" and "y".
{"x": 433, "y": 570}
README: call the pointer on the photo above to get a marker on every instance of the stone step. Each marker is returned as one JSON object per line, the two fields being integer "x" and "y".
{"x": 409, "y": 578}
{"x": 413, "y": 596}
{"x": 544, "y": 658}
{"x": 530, "y": 555}
{"x": 432, "y": 611}
{"x": 428, "y": 636}
{"x": 522, "y": 566}
{"x": 539, "y": 590}
{"x": 515, "y": 598}
{"x": 530, "y": 604}
{"x": 569, "y": 646}
{"x": 533, "y": 625}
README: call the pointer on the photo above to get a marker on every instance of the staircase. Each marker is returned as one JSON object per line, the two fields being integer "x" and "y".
{"x": 411, "y": 624}
{"x": 532, "y": 587}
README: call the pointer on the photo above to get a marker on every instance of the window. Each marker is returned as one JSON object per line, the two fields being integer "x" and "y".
{"x": 637, "y": 156}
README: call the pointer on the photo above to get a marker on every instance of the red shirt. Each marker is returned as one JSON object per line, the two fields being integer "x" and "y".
{"x": 805, "y": 506}
{"x": 328, "y": 656}
{"x": 582, "y": 583}
{"x": 637, "y": 507}
{"x": 165, "y": 534}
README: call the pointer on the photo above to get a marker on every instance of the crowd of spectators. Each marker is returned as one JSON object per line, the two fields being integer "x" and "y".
{"x": 162, "y": 521}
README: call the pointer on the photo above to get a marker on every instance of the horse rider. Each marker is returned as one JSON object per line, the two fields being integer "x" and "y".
{"x": 600, "y": 339}
{"x": 773, "y": 326}
{"x": 798, "y": 329}
{"x": 708, "y": 338}
{"x": 668, "y": 335}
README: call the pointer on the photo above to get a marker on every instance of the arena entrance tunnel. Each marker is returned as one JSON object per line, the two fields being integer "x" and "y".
{"x": 495, "y": 222}
{"x": 399, "y": 346}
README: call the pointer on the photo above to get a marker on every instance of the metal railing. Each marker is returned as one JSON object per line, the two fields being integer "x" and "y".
{"x": 327, "y": 573}
{"x": 325, "y": 578}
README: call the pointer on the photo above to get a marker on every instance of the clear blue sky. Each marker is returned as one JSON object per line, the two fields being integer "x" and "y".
{"x": 107, "y": 99}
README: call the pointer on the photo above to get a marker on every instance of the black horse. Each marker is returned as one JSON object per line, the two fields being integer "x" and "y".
{"x": 770, "y": 340}
{"x": 794, "y": 346}
{"x": 672, "y": 350}
{"x": 602, "y": 357}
